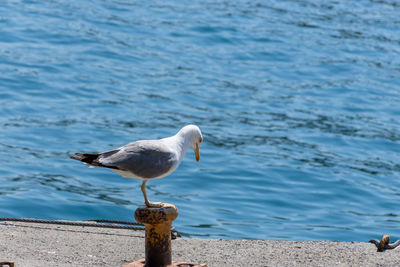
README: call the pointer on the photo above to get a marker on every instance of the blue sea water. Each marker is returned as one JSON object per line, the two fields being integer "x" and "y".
{"x": 298, "y": 102}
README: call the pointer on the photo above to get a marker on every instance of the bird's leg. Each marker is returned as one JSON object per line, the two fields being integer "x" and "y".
{"x": 143, "y": 188}
{"x": 146, "y": 201}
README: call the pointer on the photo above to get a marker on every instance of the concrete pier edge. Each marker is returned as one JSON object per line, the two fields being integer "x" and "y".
{"x": 31, "y": 244}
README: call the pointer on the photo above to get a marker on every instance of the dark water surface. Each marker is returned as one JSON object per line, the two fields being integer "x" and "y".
{"x": 298, "y": 101}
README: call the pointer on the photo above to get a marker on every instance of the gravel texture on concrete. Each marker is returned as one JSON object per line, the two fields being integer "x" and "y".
{"x": 31, "y": 244}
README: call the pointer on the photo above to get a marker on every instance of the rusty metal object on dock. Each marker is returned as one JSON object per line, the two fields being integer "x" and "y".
{"x": 158, "y": 222}
{"x": 384, "y": 243}
{"x": 6, "y": 263}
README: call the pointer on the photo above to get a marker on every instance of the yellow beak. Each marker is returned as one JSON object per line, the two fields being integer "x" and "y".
{"x": 197, "y": 152}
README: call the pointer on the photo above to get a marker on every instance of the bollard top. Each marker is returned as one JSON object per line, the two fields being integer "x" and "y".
{"x": 156, "y": 215}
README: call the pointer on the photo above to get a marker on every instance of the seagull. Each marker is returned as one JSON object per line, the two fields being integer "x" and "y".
{"x": 147, "y": 159}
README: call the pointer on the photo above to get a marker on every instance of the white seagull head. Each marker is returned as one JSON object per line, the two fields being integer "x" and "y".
{"x": 193, "y": 134}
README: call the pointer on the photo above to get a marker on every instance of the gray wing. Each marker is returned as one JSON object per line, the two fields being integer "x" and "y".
{"x": 146, "y": 159}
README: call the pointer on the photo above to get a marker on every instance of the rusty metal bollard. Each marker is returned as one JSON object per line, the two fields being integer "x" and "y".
{"x": 158, "y": 222}
{"x": 158, "y": 251}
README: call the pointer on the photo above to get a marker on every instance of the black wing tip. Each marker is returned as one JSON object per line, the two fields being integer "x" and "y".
{"x": 77, "y": 156}
{"x": 84, "y": 157}
{"x": 92, "y": 160}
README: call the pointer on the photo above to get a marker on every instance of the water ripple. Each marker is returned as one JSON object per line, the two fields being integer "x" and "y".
{"x": 298, "y": 103}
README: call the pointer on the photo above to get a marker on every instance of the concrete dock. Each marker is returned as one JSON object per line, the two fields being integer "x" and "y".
{"x": 32, "y": 244}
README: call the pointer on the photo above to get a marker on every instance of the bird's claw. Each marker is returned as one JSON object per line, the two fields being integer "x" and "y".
{"x": 154, "y": 205}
